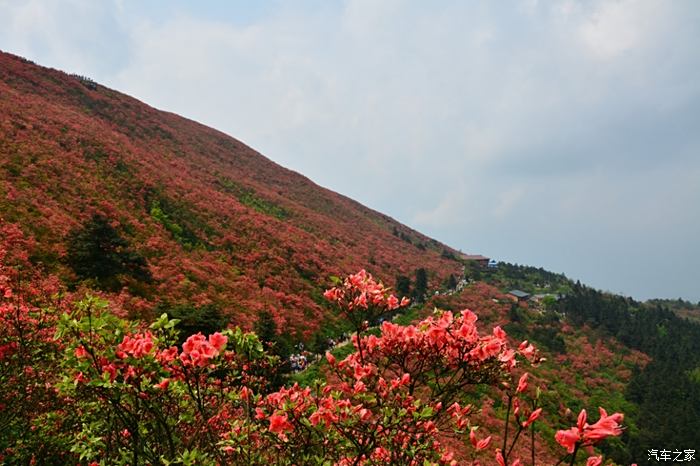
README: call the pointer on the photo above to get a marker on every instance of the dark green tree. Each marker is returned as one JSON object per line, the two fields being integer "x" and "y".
{"x": 266, "y": 329}
{"x": 472, "y": 271}
{"x": 98, "y": 251}
{"x": 451, "y": 282}
{"x": 514, "y": 314}
{"x": 279, "y": 345}
{"x": 403, "y": 285}
{"x": 421, "y": 286}
{"x": 193, "y": 319}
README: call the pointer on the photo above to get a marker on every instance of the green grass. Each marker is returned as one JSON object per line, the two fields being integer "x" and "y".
{"x": 249, "y": 198}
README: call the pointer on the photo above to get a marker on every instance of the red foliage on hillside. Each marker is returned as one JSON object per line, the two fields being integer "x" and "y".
{"x": 216, "y": 221}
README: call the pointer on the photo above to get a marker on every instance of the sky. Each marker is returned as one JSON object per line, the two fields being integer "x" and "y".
{"x": 560, "y": 134}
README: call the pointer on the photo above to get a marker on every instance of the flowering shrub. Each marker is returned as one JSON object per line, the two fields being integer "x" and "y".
{"x": 149, "y": 401}
{"x": 362, "y": 300}
{"x": 30, "y": 406}
{"x": 117, "y": 392}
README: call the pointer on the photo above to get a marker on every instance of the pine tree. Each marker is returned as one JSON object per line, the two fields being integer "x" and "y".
{"x": 403, "y": 285}
{"x": 98, "y": 251}
{"x": 421, "y": 286}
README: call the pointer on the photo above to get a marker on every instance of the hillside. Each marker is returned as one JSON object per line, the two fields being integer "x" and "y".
{"x": 680, "y": 307}
{"x": 217, "y": 223}
{"x": 101, "y": 194}
{"x": 604, "y": 349}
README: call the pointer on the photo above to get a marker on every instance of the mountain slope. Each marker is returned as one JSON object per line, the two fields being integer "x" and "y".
{"x": 216, "y": 221}
{"x": 217, "y": 224}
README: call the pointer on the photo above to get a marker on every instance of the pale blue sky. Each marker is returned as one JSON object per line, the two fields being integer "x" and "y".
{"x": 562, "y": 134}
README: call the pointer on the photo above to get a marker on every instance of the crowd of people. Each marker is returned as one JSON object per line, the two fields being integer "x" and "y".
{"x": 302, "y": 358}
{"x": 299, "y": 361}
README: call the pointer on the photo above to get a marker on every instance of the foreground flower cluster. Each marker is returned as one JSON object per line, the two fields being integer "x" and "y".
{"x": 91, "y": 388}
{"x": 584, "y": 434}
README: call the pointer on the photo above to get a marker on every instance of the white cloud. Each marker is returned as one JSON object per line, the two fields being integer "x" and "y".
{"x": 614, "y": 28}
